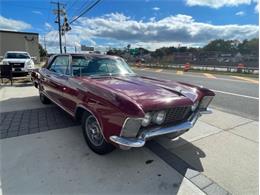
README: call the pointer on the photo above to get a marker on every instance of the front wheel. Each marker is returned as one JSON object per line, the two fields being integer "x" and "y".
{"x": 93, "y": 135}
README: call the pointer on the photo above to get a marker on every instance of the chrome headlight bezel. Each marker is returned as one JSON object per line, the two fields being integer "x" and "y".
{"x": 29, "y": 63}
{"x": 147, "y": 119}
{"x": 194, "y": 106}
{"x": 205, "y": 101}
{"x": 159, "y": 117}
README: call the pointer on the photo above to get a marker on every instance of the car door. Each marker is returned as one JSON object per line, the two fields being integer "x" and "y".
{"x": 55, "y": 77}
{"x": 70, "y": 85}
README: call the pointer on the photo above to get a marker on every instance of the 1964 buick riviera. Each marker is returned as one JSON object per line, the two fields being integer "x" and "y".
{"x": 116, "y": 107}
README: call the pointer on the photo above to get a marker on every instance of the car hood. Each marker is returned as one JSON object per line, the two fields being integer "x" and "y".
{"x": 150, "y": 93}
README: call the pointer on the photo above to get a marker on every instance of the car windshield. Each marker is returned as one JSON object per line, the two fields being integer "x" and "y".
{"x": 96, "y": 67}
{"x": 17, "y": 55}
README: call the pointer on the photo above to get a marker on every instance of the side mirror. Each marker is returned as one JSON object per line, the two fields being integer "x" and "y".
{"x": 34, "y": 58}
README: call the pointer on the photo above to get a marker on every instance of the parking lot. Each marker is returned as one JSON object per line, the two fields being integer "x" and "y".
{"x": 45, "y": 146}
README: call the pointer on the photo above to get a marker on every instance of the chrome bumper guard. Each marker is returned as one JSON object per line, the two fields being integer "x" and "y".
{"x": 158, "y": 131}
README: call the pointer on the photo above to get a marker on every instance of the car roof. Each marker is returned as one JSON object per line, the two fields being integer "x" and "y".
{"x": 16, "y": 52}
{"x": 90, "y": 55}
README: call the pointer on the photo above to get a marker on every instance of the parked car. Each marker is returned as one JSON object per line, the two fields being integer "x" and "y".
{"x": 116, "y": 107}
{"x": 21, "y": 61}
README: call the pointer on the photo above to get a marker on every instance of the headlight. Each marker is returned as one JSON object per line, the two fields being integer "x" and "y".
{"x": 194, "y": 106}
{"x": 159, "y": 117}
{"x": 5, "y": 63}
{"x": 30, "y": 63}
{"x": 205, "y": 102}
{"x": 147, "y": 119}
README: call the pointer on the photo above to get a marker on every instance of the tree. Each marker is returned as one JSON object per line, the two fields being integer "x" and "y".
{"x": 251, "y": 46}
{"x": 219, "y": 45}
{"x": 128, "y": 47}
{"x": 43, "y": 52}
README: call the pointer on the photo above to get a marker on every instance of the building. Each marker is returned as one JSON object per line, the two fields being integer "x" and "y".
{"x": 20, "y": 41}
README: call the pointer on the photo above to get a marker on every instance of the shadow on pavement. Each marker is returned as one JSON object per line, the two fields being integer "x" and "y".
{"x": 21, "y": 103}
{"x": 184, "y": 168}
{"x": 195, "y": 154}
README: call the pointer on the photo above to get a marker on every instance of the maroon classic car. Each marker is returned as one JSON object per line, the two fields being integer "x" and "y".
{"x": 116, "y": 107}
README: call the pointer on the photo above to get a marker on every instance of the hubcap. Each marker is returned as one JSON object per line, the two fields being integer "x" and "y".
{"x": 93, "y": 131}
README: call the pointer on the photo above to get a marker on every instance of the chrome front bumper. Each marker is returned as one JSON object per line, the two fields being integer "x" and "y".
{"x": 158, "y": 131}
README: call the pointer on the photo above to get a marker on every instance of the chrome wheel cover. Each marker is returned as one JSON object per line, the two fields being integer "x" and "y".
{"x": 93, "y": 131}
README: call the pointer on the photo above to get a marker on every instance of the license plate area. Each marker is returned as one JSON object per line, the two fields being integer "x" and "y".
{"x": 17, "y": 69}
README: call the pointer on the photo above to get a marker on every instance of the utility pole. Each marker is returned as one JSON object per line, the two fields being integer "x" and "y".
{"x": 59, "y": 12}
{"x": 44, "y": 43}
{"x": 65, "y": 47}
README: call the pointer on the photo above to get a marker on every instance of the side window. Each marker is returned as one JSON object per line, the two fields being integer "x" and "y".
{"x": 103, "y": 68}
{"x": 60, "y": 65}
{"x": 79, "y": 65}
{"x": 108, "y": 66}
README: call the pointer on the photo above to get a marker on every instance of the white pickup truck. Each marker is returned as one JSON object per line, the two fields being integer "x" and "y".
{"x": 21, "y": 61}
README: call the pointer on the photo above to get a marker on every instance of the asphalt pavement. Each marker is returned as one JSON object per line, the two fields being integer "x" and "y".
{"x": 237, "y": 95}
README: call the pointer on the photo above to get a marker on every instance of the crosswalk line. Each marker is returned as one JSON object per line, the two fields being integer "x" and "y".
{"x": 158, "y": 70}
{"x": 179, "y": 72}
{"x": 211, "y": 76}
{"x": 246, "y": 79}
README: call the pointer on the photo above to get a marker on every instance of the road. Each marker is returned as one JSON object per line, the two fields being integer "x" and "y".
{"x": 237, "y": 95}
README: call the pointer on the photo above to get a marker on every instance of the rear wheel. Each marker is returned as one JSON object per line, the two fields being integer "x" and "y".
{"x": 44, "y": 99}
{"x": 93, "y": 135}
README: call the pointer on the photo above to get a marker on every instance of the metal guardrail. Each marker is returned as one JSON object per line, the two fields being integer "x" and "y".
{"x": 251, "y": 70}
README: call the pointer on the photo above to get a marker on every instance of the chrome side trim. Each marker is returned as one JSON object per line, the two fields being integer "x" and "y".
{"x": 158, "y": 131}
{"x": 62, "y": 107}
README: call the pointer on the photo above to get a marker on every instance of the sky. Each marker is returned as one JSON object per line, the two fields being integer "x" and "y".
{"x": 141, "y": 23}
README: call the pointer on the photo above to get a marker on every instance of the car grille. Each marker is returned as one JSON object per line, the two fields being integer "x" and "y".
{"x": 173, "y": 116}
{"x": 177, "y": 114}
{"x": 17, "y": 65}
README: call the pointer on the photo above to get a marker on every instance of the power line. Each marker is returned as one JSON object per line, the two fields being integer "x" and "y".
{"x": 73, "y": 11}
{"x": 85, "y": 4}
{"x": 80, "y": 9}
{"x": 72, "y": 5}
{"x": 88, "y": 9}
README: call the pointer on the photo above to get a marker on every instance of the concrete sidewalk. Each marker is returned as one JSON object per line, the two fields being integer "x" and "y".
{"x": 21, "y": 96}
{"x": 222, "y": 146}
{"x": 59, "y": 162}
